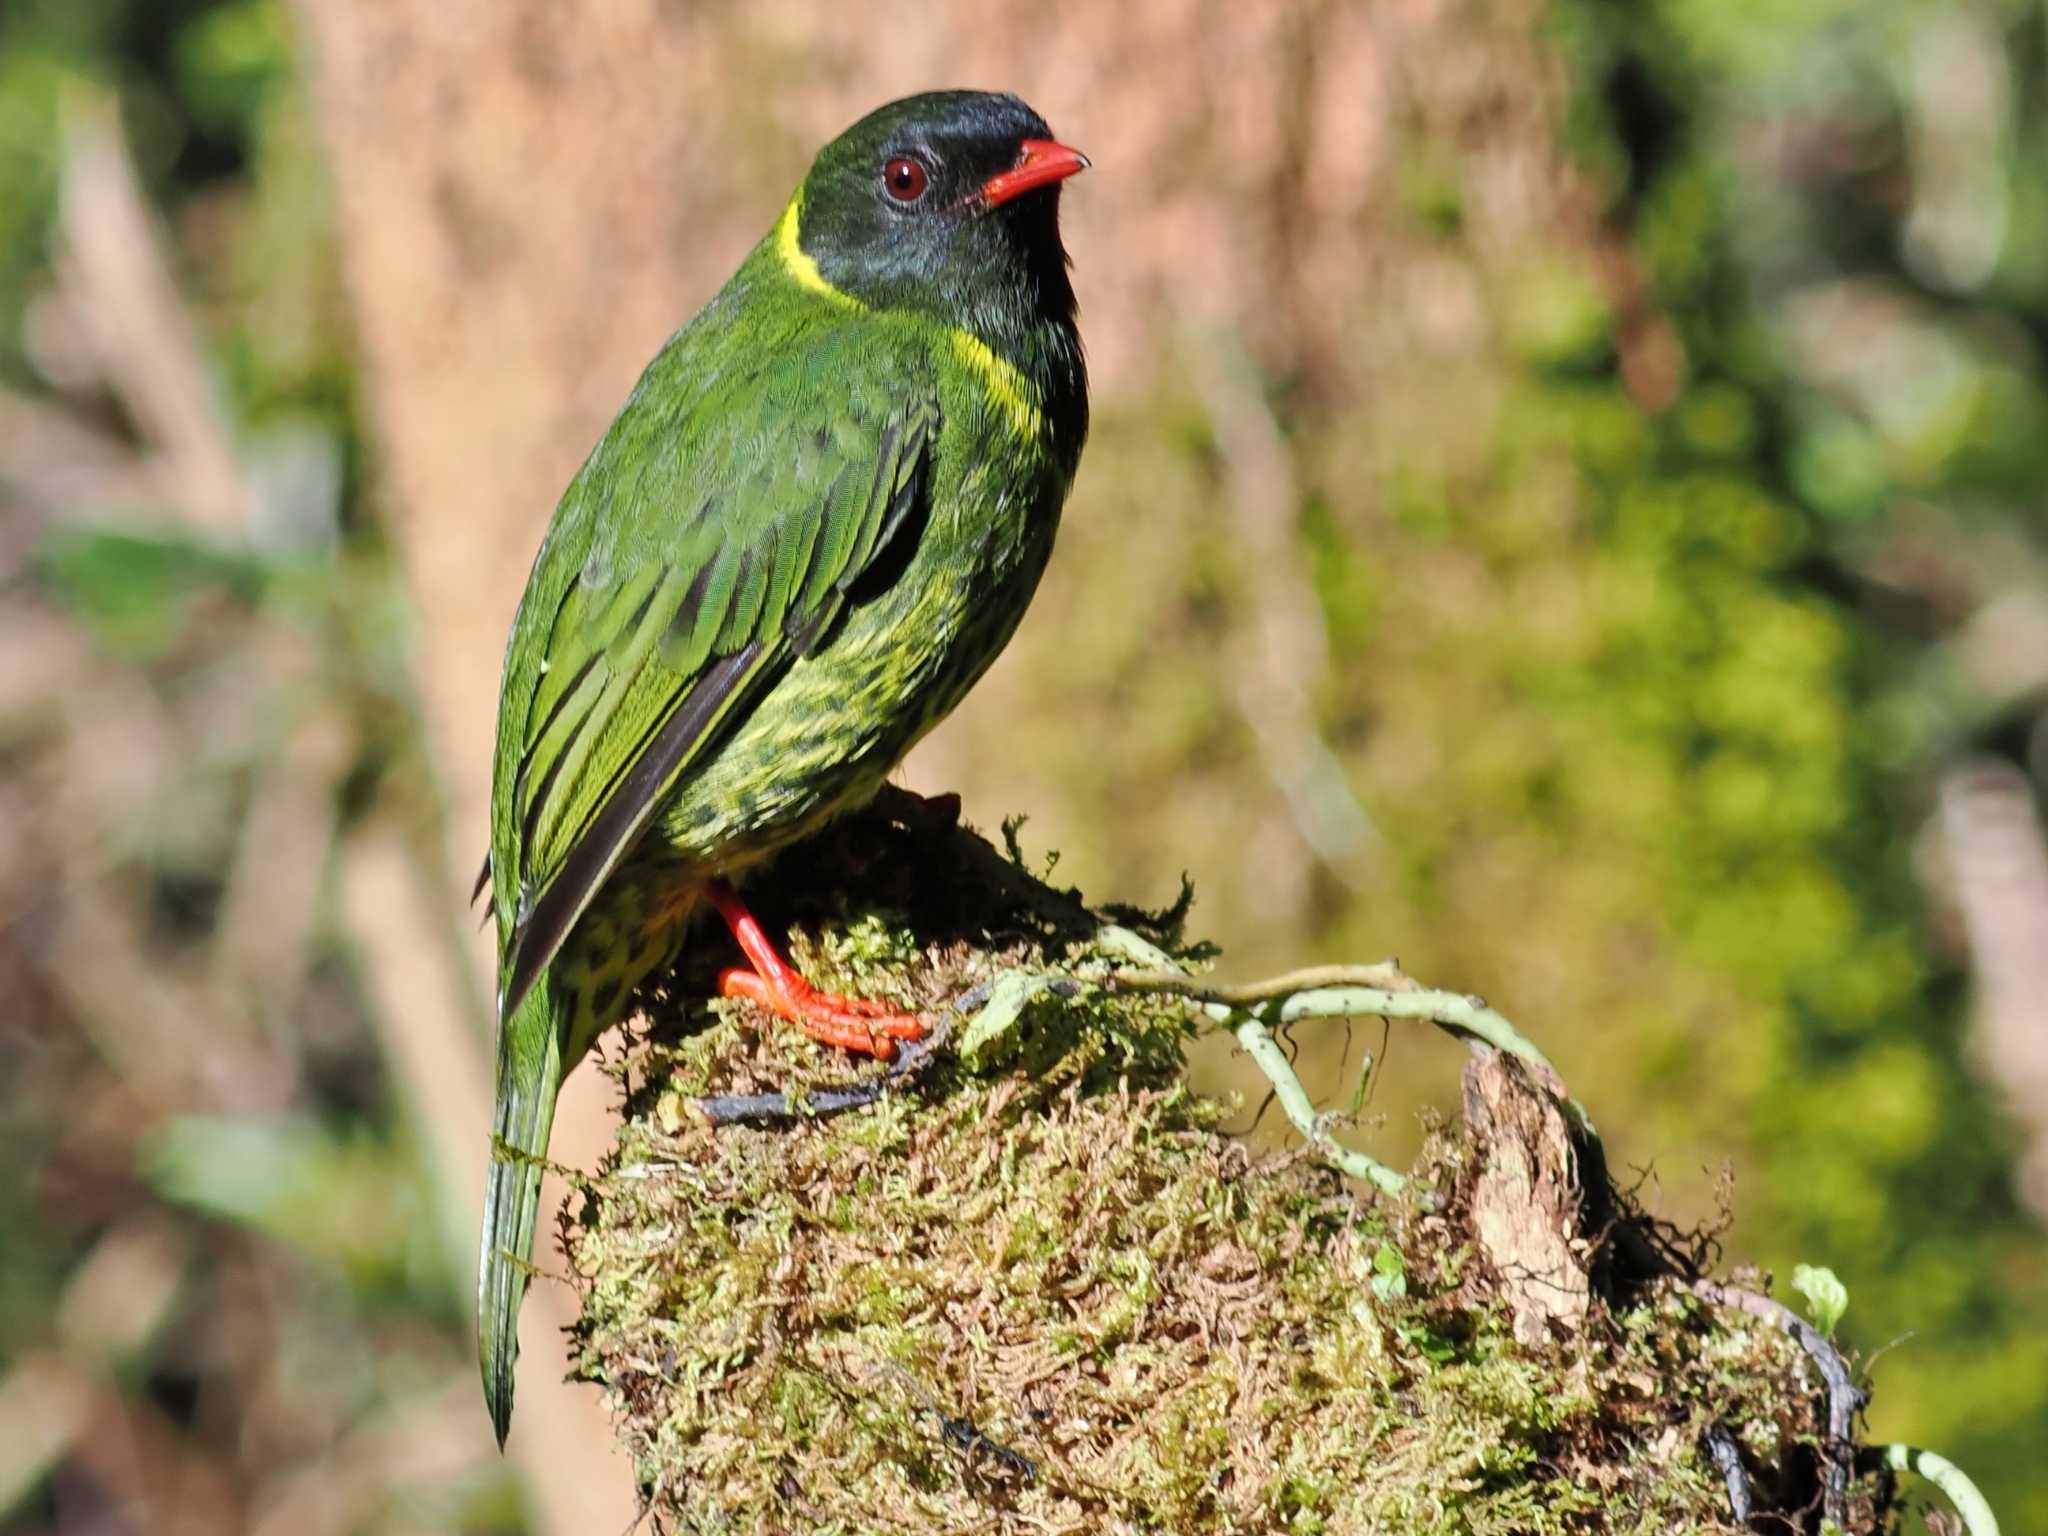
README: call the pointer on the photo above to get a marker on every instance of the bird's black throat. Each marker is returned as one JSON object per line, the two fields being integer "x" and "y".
{"x": 997, "y": 272}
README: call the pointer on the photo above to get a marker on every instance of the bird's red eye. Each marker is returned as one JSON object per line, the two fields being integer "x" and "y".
{"x": 905, "y": 179}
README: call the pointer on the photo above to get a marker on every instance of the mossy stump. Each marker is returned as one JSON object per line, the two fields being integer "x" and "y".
{"x": 1033, "y": 1286}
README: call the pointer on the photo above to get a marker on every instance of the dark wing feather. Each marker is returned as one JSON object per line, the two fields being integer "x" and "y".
{"x": 618, "y": 822}
{"x": 712, "y": 535}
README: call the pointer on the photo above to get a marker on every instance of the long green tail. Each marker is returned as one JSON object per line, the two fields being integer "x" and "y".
{"x": 529, "y": 1075}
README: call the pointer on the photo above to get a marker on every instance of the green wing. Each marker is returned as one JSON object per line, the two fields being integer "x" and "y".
{"x": 713, "y": 535}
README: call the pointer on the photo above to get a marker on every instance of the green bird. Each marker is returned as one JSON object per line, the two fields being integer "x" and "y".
{"x": 817, "y": 519}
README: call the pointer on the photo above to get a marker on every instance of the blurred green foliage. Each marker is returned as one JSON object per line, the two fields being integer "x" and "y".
{"x": 139, "y": 594}
{"x": 1756, "y": 160}
{"x": 1631, "y": 682}
{"x": 1641, "y": 609}
{"x": 255, "y": 1203}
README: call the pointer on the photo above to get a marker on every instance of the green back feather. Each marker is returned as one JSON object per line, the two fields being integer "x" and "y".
{"x": 666, "y": 593}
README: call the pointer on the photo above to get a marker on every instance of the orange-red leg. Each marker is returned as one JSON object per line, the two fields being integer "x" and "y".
{"x": 851, "y": 1023}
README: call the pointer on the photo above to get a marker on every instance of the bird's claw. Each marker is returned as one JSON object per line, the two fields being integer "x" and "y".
{"x": 850, "y": 1023}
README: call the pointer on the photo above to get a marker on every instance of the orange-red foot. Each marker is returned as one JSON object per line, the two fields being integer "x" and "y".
{"x": 851, "y": 1023}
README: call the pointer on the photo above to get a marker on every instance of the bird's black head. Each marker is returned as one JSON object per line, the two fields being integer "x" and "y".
{"x": 946, "y": 203}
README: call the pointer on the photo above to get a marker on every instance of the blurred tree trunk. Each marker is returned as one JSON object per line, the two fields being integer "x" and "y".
{"x": 531, "y": 199}
{"x": 501, "y": 240}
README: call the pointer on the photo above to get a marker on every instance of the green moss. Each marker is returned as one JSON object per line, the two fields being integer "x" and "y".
{"x": 1059, "y": 1295}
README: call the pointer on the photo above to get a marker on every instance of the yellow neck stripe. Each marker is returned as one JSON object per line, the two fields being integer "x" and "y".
{"x": 1008, "y": 390}
{"x": 798, "y": 263}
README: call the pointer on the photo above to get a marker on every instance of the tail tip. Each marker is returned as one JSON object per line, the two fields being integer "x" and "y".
{"x": 498, "y": 1395}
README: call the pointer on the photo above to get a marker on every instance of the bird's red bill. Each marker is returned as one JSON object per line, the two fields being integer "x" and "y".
{"x": 1040, "y": 163}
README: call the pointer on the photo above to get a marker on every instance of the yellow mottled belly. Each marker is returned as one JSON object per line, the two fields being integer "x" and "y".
{"x": 633, "y": 930}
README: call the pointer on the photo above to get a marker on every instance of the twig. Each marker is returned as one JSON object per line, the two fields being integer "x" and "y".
{"x": 1119, "y": 940}
{"x": 1998, "y": 867}
{"x": 116, "y": 276}
{"x": 422, "y": 1020}
{"x": 1366, "y": 991}
{"x": 1246, "y": 1005}
{"x": 1386, "y": 974}
{"x": 1286, "y": 652}
{"x": 1970, "y": 1504}
{"x": 1264, "y": 1050}
{"x": 1377, "y": 991}
{"x": 752, "y": 1108}
{"x": 963, "y": 1434}
{"x": 747, "y": 1108}
{"x": 1845, "y": 1398}
{"x": 1721, "y": 1446}
{"x": 113, "y": 1303}
{"x": 1256, "y": 1012}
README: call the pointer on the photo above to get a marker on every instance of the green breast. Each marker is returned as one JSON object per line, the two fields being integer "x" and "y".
{"x": 922, "y": 630}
